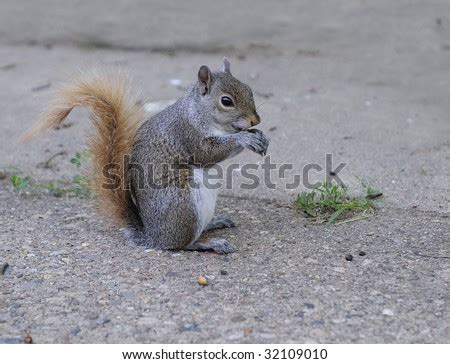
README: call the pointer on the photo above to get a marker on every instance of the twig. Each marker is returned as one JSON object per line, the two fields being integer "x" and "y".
{"x": 46, "y": 164}
{"x": 353, "y": 219}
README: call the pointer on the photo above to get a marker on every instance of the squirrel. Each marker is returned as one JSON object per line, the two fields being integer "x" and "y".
{"x": 213, "y": 121}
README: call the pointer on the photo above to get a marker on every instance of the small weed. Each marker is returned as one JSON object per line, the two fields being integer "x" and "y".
{"x": 19, "y": 183}
{"x": 51, "y": 187}
{"x": 79, "y": 186}
{"x": 54, "y": 190}
{"x": 371, "y": 193}
{"x": 331, "y": 202}
{"x": 80, "y": 183}
{"x": 79, "y": 158}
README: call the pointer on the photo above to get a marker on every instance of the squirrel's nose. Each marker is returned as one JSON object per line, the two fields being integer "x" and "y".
{"x": 254, "y": 119}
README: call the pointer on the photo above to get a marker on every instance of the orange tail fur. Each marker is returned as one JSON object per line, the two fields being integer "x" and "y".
{"x": 116, "y": 115}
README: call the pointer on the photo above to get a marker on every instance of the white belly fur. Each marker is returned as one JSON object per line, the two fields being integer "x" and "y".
{"x": 204, "y": 200}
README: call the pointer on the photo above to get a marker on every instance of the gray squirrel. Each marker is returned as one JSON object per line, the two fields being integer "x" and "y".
{"x": 161, "y": 207}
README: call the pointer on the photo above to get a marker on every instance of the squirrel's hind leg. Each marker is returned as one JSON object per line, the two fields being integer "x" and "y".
{"x": 220, "y": 246}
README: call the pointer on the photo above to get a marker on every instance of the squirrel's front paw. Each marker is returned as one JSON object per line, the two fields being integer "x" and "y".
{"x": 256, "y": 141}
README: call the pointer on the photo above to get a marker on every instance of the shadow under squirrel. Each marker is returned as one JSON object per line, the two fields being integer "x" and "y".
{"x": 209, "y": 124}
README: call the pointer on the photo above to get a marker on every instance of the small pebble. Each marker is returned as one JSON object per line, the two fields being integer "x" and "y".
{"x": 92, "y": 316}
{"x": 102, "y": 321}
{"x": 238, "y": 318}
{"x": 361, "y": 253}
{"x": 223, "y": 272}
{"x": 3, "y": 268}
{"x": 193, "y": 327}
{"x": 202, "y": 281}
{"x": 388, "y": 312}
{"x": 349, "y": 257}
{"x": 175, "y": 82}
{"x": 75, "y": 331}
{"x": 28, "y": 339}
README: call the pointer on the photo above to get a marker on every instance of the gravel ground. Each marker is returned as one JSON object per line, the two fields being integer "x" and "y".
{"x": 73, "y": 279}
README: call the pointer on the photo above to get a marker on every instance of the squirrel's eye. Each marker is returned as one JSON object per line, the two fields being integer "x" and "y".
{"x": 226, "y": 101}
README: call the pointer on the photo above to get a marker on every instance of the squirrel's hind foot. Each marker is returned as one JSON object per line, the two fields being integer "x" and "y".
{"x": 220, "y": 222}
{"x": 219, "y": 246}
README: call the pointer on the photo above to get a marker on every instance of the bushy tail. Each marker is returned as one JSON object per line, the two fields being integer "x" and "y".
{"x": 116, "y": 115}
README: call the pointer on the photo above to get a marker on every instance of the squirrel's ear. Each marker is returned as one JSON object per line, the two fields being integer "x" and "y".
{"x": 204, "y": 79}
{"x": 226, "y": 65}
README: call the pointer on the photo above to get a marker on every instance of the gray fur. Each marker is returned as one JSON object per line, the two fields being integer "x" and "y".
{"x": 220, "y": 246}
{"x": 220, "y": 222}
{"x": 226, "y": 65}
{"x": 195, "y": 132}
